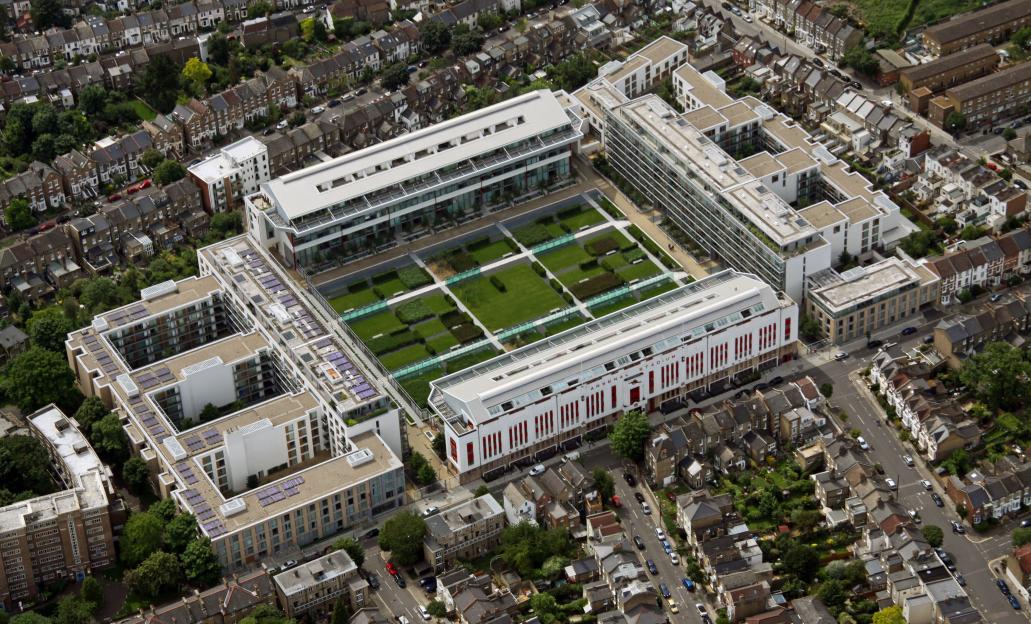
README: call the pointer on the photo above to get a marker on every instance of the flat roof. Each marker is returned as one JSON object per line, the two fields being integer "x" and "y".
{"x": 661, "y": 49}
{"x": 628, "y": 67}
{"x": 68, "y": 442}
{"x": 456, "y": 518}
{"x": 691, "y": 306}
{"x": 701, "y": 88}
{"x": 861, "y": 284}
{"x": 411, "y": 156}
{"x": 951, "y": 62}
{"x": 177, "y": 295}
{"x": 761, "y": 164}
{"x": 224, "y": 162}
{"x": 705, "y": 117}
{"x": 822, "y": 214}
{"x": 738, "y": 113}
{"x": 309, "y": 575}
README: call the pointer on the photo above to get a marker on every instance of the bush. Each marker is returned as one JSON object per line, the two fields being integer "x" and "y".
{"x": 532, "y": 235}
{"x": 566, "y": 228}
{"x": 568, "y": 297}
{"x": 454, "y": 318}
{"x": 413, "y": 277}
{"x": 479, "y": 243}
{"x": 398, "y": 339}
{"x": 557, "y": 285}
{"x": 633, "y": 255}
{"x": 653, "y": 247}
{"x": 601, "y": 246}
{"x": 596, "y": 285}
{"x": 461, "y": 262}
{"x": 497, "y": 283}
{"x": 539, "y": 269}
{"x": 412, "y": 312}
{"x": 383, "y": 278}
{"x": 610, "y": 208}
{"x": 466, "y": 332}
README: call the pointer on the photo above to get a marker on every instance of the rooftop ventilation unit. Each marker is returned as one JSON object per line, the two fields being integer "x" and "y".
{"x": 159, "y": 290}
{"x": 232, "y": 258}
{"x": 233, "y": 507}
{"x": 175, "y": 448}
{"x": 128, "y": 385}
{"x": 360, "y": 457}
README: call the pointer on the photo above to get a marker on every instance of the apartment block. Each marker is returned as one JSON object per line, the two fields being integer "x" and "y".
{"x": 989, "y": 25}
{"x": 313, "y": 589}
{"x": 64, "y": 535}
{"x": 451, "y": 172}
{"x": 985, "y": 100}
{"x": 530, "y": 401}
{"x": 467, "y": 531}
{"x": 645, "y": 68}
{"x": 860, "y": 301}
{"x": 951, "y": 70}
{"x": 246, "y": 404}
{"x": 235, "y": 171}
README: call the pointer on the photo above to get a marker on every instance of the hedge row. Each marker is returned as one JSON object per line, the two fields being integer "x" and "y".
{"x": 596, "y": 285}
{"x": 466, "y": 332}
{"x": 413, "y": 277}
{"x": 570, "y": 212}
{"x": 587, "y": 265}
{"x": 610, "y": 208}
{"x": 413, "y": 311}
{"x": 533, "y": 235}
{"x": 384, "y": 277}
{"x": 539, "y": 269}
{"x": 398, "y": 339}
{"x": 497, "y": 283}
{"x": 653, "y": 247}
{"x": 455, "y": 317}
{"x": 633, "y": 255}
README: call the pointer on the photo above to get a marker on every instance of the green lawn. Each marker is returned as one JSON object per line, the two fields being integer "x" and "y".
{"x": 489, "y": 253}
{"x": 391, "y": 287}
{"x": 612, "y": 233}
{"x": 145, "y": 112}
{"x": 463, "y": 362}
{"x": 565, "y": 256}
{"x": 569, "y": 323}
{"x": 418, "y": 386}
{"x": 438, "y": 303}
{"x": 351, "y": 301}
{"x": 404, "y": 356}
{"x": 429, "y": 327}
{"x": 527, "y": 297}
{"x": 589, "y": 216}
{"x": 641, "y": 270}
{"x": 576, "y": 275}
{"x": 666, "y": 286}
{"x": 375, "y": 324}
{"x": 442, "y": 342}
{"x": 612, "y": 306}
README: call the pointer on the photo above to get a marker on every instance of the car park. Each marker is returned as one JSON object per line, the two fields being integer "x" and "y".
{"x": 651, "y": 566}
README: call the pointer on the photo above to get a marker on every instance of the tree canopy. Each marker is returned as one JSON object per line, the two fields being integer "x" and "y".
{"x": 801, "y": 562}
{"x": 394, "y": 76}
{"x": 143, "y": 534}
{"x": 353, "y": 549}
{"x": 24, "y": 465}
{"x": 435, "y": 36}
{"x": 108, "y": 438}
{"x": 526, "y": 547}
{"x": 18, "y": 215}
{"x": 889, "y": 615}
{"x": 999, "y": 376}
{"x": 37, "y": 377}
{"x": 48, "y": 328}
{"x": 200, "y": 563}
{"x": 160, "y": 83}
{"x": 158, "y": 573}
{"x": 402, "y": 536}
{"x": 168, "y": 172}
{"x": 933, "y": 534}
{"x": 629, "y": 435}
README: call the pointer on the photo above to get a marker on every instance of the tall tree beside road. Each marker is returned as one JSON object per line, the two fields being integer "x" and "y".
{"x": 394, "y": 76}
{"x": 402, "y": 537}
{"x": 933, "y": 534}
{"x": 435, "y": 36}
{"x": 629, "y": 435}
{"x": 18, "y": 215}
{"x": 603, "y": 481}
{"x": 353, "y": 549}
{"x": 169, "y": 171}
{"x": 999, "y": 376}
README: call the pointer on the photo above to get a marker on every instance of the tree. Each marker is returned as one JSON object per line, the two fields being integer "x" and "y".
{"x": 489, "y": 21}
{"x": 402, "y": 536}
{"x": 1009, "y": 134}
{"x": 426, "y": 475}
{"x": 18, "y": 215}
{"x": 160, "y": 83}
{"x": 47, "y": 13}
{"x": 91, "y": 410}
{"x": 260, "y": 8}
{"x": 227, "y": 224}
{"x": 933, "y": 534}
{"x": 526, "y": 547}
{"x": 603, "y": 481}
{"x": 545, "y": 607}
{"x": 860, "y": 59}
{"x": 91, "y": 591}
{"x": 341, "y": 613}
{"x": 179, "y": 533}
{"x": 971, "y": 231}
{"x": 1021, "y": 536}
{"x": 827, "y": 389}
{"x": 319, "y": 30}
{"x": 464, "y": 40}
{"x": 483, "y": 490}
{"x": 435, "y": 36}
{"x": 98, "y": 294}
{"x": 23, "y": 465}
{"x": 629, "y": 435}
{"x": 168, "y": 172}
{"x": 200, "y": 563}
{"x": 164, "y": 510}
{"x": 353, "y": 549}
{"x": 74, "y": 610}
{"x": 48, "y": 328}
{"x": 38, "y": 377}
{"x": 999, "y": 376}
{"x": 438, "y": 445}
{"x": 955, "y": 121}
{"x": 809, "y": 328}
{"x": 136, "y": 474}
{"x": 833, "y": 593}
{"x": 889, "y": 615}
{"x": 801, "y": 562}
{"x": 142, "y": 536}
{"x": 574, "y": 71}
{"x": 158, "y": 573}
{"x": 151, "y": 158}
{"x": 30, "y": 617}
{"x": 437, "y": 609}
{"x": 297, "y": 119}
{"x": 394, "y": 76}
{"x": 108, "y": 438}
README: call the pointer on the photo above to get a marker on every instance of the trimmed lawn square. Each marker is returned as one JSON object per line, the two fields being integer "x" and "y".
{"x": 578, "y": 275}
{"x": 622, "y": 242}
{"x": 463, "y": 362}
{"x": 442, "y": 342}
{"x": 537, "y": 233}
{"x": 566, "y": 256}
{"x": 404, "y": 356}
{"x": 438, "y": 303}
{"x": 418, "y": 386}
{"x": 391, "y": 287}
{"x": 658, "y": 289}
{"x": 380, "y": 323}
{"x": 588, "y": 216}
{"x": 353, "y": 300}
{"x": 610, "y": 307}
{"x": 569, "y": 323}
{"x": 641, "y": 270}
{"x": 526, "y": 297}
{"x": 429, "y": 327}
{"x": 489, "y": 253}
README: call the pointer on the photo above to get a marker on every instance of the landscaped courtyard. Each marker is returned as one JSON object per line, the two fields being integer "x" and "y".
{"x": 462, "y": 303}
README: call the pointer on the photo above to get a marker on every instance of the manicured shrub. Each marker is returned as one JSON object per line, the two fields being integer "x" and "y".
{"x": 568, "y": 297}
{"x": 390, "y": 342}
{"x": 497, "y": 283}
{"x": 596, "y": 285}
{"x": 633, "y": 255}
{"x": 479, "y": 243}
{"x": 412, "y": 312}
{"x": 570, "y": 212}
{"x": 413, "y": 277}
{"x": 565, "y": 228}
{"x": 466, "y": 332}
{"x": 601, "y": 246}
{"x": 610, "y": 208}
{"x": 455, "y": 317}
{"x": 556, "y": 285}
{"x": 384, "y": 277}
{"x": 539, "y": 269}
{"x": 587, "y": 265}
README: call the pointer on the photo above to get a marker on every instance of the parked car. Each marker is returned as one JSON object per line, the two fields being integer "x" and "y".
{"x": 938, "y": 502}
{"x": 674, "y": 558}
{"x": 630, "y": 480}
{"x": 1003, "y": 587}
{"x": 537, "y": 470}
{"x": 1014, "y": 602}
{"x": 995, "y": 297}
{"x": 908, "y": 460}
{"x": 617, "y": 502}
{"x": 371, "y": 533}
{"x": 333, "y": 103}
{"x": 145, "y": 184}
{"x": 282, "y": 125}
{"x": 841, "y": 356}
{"x": 429, "y": 511}
{"x": 639, "y": 542}
{"x": 873, "y": 344}
{"x": 373, "y": 581}
{"x": 891, "y": 484}
{"x": 664, "y": 590}
{"x": 673, "y": 608}
{"x": 639, "y": 497}
{"x": 688, "y": 584}
{"x": 424, "y": 613}
{"x": 646, "y": 509}
{"x": 651, "y": 566}
{"x": 400, "y": 580}
{"x": 958, "y": 528}
{"x": 391, "y": 569}
{"x": 701, "y": 609}
{"x": 908, "y": 331}
{"x": 1026, "y": 522}
{"x": 926, "y": 484}
{"x": 962, "y": 581}
{"x": 318, "y": 110}
{"x": 113, "y": 197}
{"x": 862, "y": 443}
{"x": 915, "y": 516}
{"x": 659, "y": 533}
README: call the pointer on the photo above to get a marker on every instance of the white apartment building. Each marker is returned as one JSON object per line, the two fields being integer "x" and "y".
{"x": 237, "y": 170}
{"x": 527, "y": 402}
